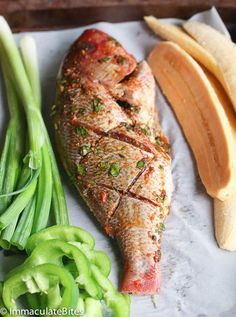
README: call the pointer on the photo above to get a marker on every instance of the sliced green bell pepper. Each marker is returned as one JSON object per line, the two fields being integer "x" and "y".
{"x": 51, "y": 299}
{"x": 89, "y": 307}
{"x": 54, "y": 251}
{"x": 41, "y": 279}
{"x": 117, "y": 302}
{"x": 3, "y": 310}
{"x": 76, "y": 236}
{"x": 96, "y": 257}
{"x": 62, "y": 232}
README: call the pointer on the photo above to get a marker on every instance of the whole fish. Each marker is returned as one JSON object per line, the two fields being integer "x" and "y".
{"x": 113, "y": 149}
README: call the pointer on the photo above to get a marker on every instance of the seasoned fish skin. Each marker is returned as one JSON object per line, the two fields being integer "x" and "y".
{"x": 110, "y": 151}
{"x": 113, "y": 149}
{"x": 135, "y": 224}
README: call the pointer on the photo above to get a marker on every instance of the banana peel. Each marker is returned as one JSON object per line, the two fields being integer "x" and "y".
{"x": 205, "y": 119}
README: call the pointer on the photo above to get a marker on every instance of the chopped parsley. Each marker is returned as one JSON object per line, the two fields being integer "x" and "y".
{"x": 82, "y": 131}
{"x": 114, "y": 169}
{"x": 96, "y": 104}
{"x": 81, "y": 169}
{"x": 140, "y": 164}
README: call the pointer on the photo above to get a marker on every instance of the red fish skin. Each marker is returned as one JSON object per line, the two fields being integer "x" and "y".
{"x": 139, "y": 90}
{"x": 91, "y": 54}
{"x": 148, "y": 284}
{"x": 105, "y": 113}
{"x": 135, "y": 225}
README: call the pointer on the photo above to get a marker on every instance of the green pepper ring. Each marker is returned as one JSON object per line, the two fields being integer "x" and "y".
{"x": 61, "y": 232}
{"x": 53, "y": 251}
{"x": 37, "y": 280}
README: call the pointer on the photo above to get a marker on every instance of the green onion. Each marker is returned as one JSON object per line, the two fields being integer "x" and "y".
{"x": 7, "y": 234}
{"x": 104, "y": 59}
{"x": 81, "y": 132}
{"x": 160, "y": 228}
{"x": 29, "y": 56}
{"x": 159, "y": 141}
{"x": 17, "y": 205}
{"x": 3, "y": 161}
{"x": 44, "y": 193}
{"x": 96, "y": 104}
{"x": 33, "y": 116}
{"x": 81, "y": 110}
{"x": 81, "y": 169}
{"x": 146, "y": 131}
{"x": 30, "y": 185}
{"x": 58, "y": 196}
{"x": 23, "y": 230}
{"x": 13, "y": 156}
{"x": 104, "y": 166}
{"x": 140, "y": 164}
{"x": 114, "y": 169}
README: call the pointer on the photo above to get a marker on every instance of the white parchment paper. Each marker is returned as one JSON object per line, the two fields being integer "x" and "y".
{"x": 198, "y": 279}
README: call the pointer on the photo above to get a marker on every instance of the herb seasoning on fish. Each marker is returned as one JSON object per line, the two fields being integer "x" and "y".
{"x": 96, "y": 104}
{"x": 140, "y": 164}
{"x": 81, "y": 169}
{"x": 82, "y": 131}
{"x": 114, "y": 170}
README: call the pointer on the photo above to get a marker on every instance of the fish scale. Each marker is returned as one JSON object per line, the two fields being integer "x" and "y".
{"x": 112, "y": 146}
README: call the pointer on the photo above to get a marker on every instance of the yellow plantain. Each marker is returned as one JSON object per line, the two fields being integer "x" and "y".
{"x": 176, "y": 34}
{"x": 225, "y": 223}
{"x": 222, "y": 49}
{"x": 205, "y": 120}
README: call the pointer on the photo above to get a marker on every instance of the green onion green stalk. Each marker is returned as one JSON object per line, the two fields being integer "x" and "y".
{"x": 30, "y": 184}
